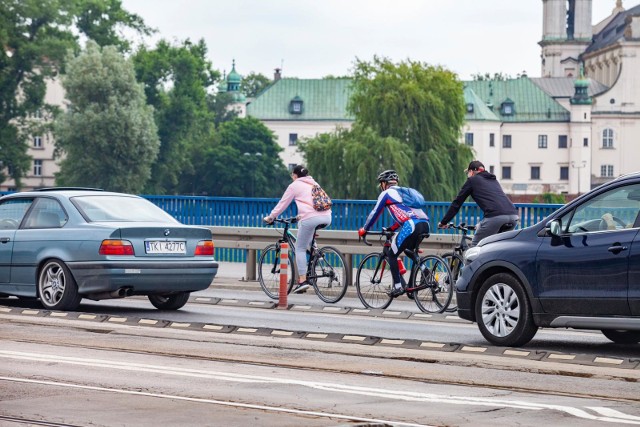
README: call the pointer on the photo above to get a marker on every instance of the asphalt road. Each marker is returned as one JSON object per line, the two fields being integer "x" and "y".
{"x": 122, "y": 362}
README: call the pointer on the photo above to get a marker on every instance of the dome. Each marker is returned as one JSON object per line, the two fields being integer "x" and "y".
{"x": 233, "y": 76}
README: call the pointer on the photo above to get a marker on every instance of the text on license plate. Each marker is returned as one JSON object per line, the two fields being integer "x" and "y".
{"x": 164, "y": 247}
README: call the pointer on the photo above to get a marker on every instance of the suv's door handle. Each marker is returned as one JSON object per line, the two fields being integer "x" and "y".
{"x": 617, "y": 249}
{"x": 4, "y": 240}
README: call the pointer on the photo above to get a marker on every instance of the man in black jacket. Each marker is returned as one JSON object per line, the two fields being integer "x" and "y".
{"x": 487, "y": 193}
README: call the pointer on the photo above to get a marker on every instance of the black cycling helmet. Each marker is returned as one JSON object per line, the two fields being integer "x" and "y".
{"x": 388, "y": 175}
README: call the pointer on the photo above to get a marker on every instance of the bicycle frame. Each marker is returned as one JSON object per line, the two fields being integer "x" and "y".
{"x": 288, "y": 237}
{"x": 382, "y": 263}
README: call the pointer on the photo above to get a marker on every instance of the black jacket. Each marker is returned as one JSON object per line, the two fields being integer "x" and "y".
{"x": 487, "y": 193}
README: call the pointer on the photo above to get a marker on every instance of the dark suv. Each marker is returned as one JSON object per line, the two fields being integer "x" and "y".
{"x": 578, "y": 268}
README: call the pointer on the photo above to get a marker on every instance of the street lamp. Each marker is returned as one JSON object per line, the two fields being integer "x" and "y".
{"x": 256, "y": 156}
{"x": 582, "y": 164}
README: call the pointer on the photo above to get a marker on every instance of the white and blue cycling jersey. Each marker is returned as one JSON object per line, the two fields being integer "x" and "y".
{"x": 392, "y": 201}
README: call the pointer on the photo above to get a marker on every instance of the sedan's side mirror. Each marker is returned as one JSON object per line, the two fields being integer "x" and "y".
{"x": 554, "y": 228}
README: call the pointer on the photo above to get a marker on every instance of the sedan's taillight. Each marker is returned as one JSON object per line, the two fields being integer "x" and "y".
{"x": 116, "y": 247}
{"x": 205, "y": 247}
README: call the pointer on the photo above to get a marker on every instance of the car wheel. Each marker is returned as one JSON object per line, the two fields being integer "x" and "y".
{"x": 503, "y": 311}
{"x": 622, "y": 337}
{"x": 57, "y": 288}
{"x": 169, "y": 302}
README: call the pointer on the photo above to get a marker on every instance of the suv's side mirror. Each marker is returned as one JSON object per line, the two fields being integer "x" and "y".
{"x": 554, "y": 228}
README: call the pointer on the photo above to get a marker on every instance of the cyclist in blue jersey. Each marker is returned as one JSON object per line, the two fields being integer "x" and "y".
{"x": 411, "y": 223}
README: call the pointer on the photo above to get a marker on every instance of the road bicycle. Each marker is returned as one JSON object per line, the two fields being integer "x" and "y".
{"x": 327, "y": 271}
{"x": 455, "y": 259}
{"x": 429, "y": 282}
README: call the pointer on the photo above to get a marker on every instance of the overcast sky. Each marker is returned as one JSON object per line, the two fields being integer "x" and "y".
{"x": 315, "y": 38}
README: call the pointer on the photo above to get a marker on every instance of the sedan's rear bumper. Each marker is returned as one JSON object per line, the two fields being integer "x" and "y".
{"x": 143, "y": 278}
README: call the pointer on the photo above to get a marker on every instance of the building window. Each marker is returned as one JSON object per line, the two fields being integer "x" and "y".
{"x": 542, "y": 141}
{"x": 293, "y": 138}
{"x": 492, "y": 140}
{"x": 506, "y": 109}
{"x": 562, "y": 141}
{"x": 291, "y": 167}
{"x": 506, "y": 172}
{"x": 564, "y": 173}
{"x": 492, "y": 169}
{"x": 468, "y": 139}
{"x": 506, "y": 141}
{"x": 470, "y": 107}
{"x": 535, "y": 172}
{"x": 296, "y": 105}
{"x": 37, "y": 168}
{"x": 585, "y": 142}
{"x": 607, "y": 138}
{"x": 37, "y": 142}
{"x": 606, "y": 171}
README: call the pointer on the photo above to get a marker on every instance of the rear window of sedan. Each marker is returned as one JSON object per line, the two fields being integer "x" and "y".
{"x": 108, "y": 208}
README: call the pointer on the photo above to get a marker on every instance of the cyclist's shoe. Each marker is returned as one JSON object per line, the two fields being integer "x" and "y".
{"x": 301, "y": 288}
{"x": 395, "y": 292}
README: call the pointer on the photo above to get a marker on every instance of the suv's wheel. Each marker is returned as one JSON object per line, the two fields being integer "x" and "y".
{"x": 622, "y": 337}
{"x": 503, "y": 311}
{"x": 169, "y": 302}
{"x": 57, "y": 288}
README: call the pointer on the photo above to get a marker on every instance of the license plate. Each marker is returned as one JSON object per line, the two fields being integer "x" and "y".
{"x": 164, "y": 247}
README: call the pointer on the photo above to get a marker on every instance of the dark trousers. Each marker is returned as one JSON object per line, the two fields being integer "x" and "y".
{"x": 411, "y": 241}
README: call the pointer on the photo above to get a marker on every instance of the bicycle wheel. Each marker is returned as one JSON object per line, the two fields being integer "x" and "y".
{"x": 433, "y": 279}
{"x": 330, "y": 274}
{"x": 373, "y": 281}
{"x": 269, "y": 271}
{"x": 455, "y": 263}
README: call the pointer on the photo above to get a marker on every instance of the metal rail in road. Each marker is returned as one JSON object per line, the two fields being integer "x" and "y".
{"x": 253, "y": 239}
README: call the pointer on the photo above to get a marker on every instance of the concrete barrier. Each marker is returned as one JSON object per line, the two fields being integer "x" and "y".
{"x": 253, "y": 239}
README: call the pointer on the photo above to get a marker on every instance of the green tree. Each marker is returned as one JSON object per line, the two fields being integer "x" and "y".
{"x": 35, "y": 36}
{"x": 107, "y": 134}
{"x": 550, "y": 198}
{"x": 244, "y": 161}
{"x": 176, "y": 80}
{"x": 423, "y": 106}
{"x": 219, "y": 103}
{"x": 347, "y": 162}
{"x": 254, "y": 83}
{"x": 489, "y": 76}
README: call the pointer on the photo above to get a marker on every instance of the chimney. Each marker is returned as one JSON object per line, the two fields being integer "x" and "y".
{"x": 277, "y": 76}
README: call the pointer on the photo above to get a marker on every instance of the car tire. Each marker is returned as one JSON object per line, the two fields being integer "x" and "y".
{"x": 622, "y": 337}
{"x": 57, "y": 289}
{"x": 503, "y": 311}
{"x": 169, "y": 302}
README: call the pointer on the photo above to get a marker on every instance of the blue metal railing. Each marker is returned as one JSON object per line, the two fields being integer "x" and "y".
{"x": 346, "y": 214}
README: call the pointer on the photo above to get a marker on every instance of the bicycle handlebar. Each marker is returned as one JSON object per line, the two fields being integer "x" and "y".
{"x": 462, "y": 227}
{"x": 291, "y": 220}
{"x": 385, "y": 232}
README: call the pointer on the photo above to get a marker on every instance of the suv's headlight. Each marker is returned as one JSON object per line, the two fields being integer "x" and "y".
{"x": 471, "y": 254}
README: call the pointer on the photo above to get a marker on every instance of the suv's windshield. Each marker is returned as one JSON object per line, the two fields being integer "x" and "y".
{"x": 103, "y": 208}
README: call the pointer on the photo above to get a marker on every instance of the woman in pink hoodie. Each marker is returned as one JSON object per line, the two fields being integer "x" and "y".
{"x": 309, "y": 219}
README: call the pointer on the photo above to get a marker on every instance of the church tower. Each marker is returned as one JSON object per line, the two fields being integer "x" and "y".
{"x": 566, "y": 32}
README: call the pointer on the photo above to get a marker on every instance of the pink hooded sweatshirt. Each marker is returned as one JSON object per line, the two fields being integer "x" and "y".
{"x": 300, "y": 191}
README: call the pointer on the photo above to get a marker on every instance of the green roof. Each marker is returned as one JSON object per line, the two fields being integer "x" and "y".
{"x": 480, "y": 110}
{"x": 530, "y": 103}
{"x": 326, "y": 99}
{"x": 323, "y": 99}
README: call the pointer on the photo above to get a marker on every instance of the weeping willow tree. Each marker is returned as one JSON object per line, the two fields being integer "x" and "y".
{"x": 347, "y": 162}
{"x": 421, "y": 107}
